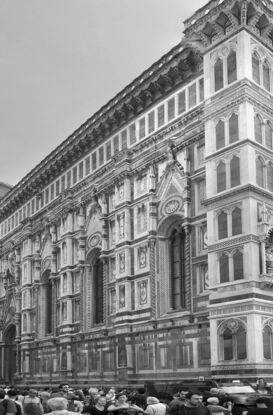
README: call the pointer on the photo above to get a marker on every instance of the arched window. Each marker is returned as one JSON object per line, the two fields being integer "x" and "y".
{"x": 228, "y": 344}
{"x": 256, "y": 68}
{"x": 240, "y": 338}
{"x": 268, "y": 342}
{"x": 24, "y": 323}
{"x": 222, "y": 226}
{"x": 218, "y": 74}
{"x": 238, "y": 266}
{"x": 236, "y": 217}
{"x": 46, "y": 301}
{"x": 64, "y": 251}
{"x": 259, "y": 172}
{"x": 177, "y": 271}
{"x": 235, "y": 171}
{"x": 98, "y": 291}
{"x": 268, "y": 135}
{"x": 220, "y": 135}
{"x": 258, "y": 129}
{"x": 269, "y": 172}
{"x": 266, "y": 76}
{"x": 233, "y": 128}
{"x": 233, "y": 342}
{"x": 231, "y": 67}
{"x": 224, "y": 268}
{"x": 24, "y": 299}
{"x": 221, "y": 177}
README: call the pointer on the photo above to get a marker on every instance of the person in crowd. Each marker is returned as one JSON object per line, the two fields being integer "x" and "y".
{"x": 154, "y": 407}
{"x": 224, "y": 399}
{"x": 11, "y": 406}
{"x": 140, "y": 398}
{"x": 2, "y": 397}
{"x": 262, "y": 408}
{"x": 99, "y": 408}
{"x": 74, "y": 404}
{"x": 192, "y": 406}
{"x": 45, "y": 396}
{"x": 261, "y": 387}
{"x": 32, "y": 404}
{"x": 93, "y": 393}
{"x": 111, "y": 396}
{"x": 58, "y": 406}
{"x": 123, "y": 407}
{"x": 215, "y": 408}
{"x": 178, "y": 399}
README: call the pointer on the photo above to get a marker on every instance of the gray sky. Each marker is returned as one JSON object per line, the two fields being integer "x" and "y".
{"x": 61, "y": 60}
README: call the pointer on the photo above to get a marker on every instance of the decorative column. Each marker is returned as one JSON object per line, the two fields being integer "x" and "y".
{"x": 152, "y": 243}
{"x": 17, "y": 319}
{"x": 54, "y": 298}
{"x": 82, "y": 302}
{"x": 188, "y": 270}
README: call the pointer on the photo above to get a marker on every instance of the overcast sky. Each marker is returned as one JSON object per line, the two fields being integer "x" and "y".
{"x": 61, "y": 60}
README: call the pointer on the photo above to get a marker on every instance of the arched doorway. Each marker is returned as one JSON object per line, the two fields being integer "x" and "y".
{"x": 10, "y": 354}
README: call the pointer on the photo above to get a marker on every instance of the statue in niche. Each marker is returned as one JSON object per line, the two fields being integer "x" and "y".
{"x": 64, "y": 361}
{"x": 269, "y": 259}
{"x": 121, "y": 225}
{"x": 142, "y": 292}
{"x": 122, "y": 354}
{"x": 171, "y": 155}
{"x": 122, "y": 296}
{"x": 142, "y": 257}
{"x": 121, "y": 262}
{"x": 206, "y": 280}
{"x": 121, "y": 192}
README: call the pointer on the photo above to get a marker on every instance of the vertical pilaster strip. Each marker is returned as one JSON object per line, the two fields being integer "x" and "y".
{"x": 17, "y": 340}
{"x": 105, "y": 296}
{"x": 152, "y": 241}
{"x": 188, "y": 269}
{"x": 82, "y": 291}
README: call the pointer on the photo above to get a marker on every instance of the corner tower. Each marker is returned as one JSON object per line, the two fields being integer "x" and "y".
{"x": 236, "y": 40}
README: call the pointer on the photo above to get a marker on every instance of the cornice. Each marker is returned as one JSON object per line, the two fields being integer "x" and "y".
{"x": 174, "y": 68}
{"x": 243, "y": 191}
{"x": 218, "y": 20}
{"x": 232, "y": 97}
{"x": 232, "y": 243}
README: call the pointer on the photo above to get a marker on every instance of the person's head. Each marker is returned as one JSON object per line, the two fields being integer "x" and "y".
{"x": 12, "y": 393}
{"x": 262, "y": 403}
{"x": 182, "y": 395}
{"x": 122, "y": 398}
{"x": 93, "y": 392}
{"x": 194, "y": 398}
{"x": 151, "y": 400}
{"x": 32, "y": 393}
{"x": 100, "y": 400}
{"x": 64, "y": 387}
{"x": 57, "y": 404}
{"x": 213, "y": 400}
{"x": 261, "y": 382}
{"x": 2, "y": 393}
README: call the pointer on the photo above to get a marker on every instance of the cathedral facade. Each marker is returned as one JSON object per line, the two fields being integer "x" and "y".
{"x": 141, "y": 248}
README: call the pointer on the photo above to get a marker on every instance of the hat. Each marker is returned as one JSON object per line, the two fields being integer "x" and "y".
{"x": 213, "y": 400}
{"x": 151, "y": 400}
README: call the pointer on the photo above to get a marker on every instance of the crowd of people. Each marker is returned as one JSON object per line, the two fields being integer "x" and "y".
{"x": 98, "y": 401}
